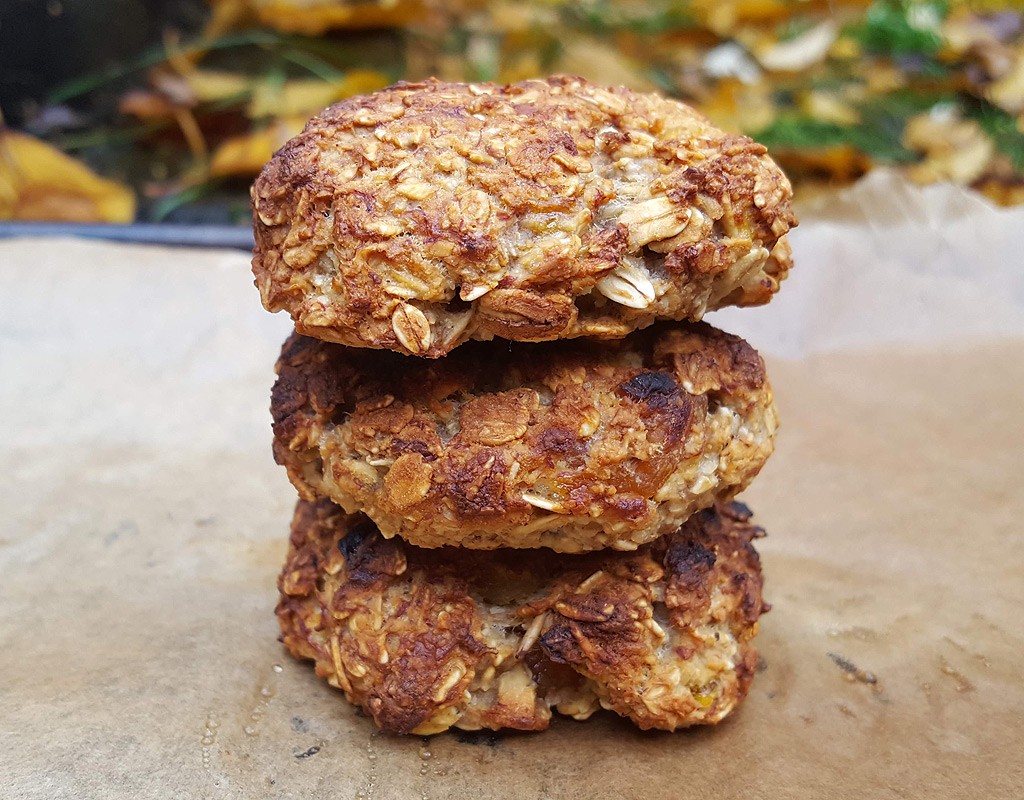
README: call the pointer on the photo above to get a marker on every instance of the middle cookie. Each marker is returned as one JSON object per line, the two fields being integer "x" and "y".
{"x": 575, "y": 445}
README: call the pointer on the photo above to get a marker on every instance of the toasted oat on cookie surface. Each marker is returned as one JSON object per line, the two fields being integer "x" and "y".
{"x": 424, "y": 640}
{"x": 572, "y": 445}
{"x": 427, "y": 214}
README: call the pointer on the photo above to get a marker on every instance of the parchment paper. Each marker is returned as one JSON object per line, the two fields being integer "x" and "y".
{"x": 143, "y": 524}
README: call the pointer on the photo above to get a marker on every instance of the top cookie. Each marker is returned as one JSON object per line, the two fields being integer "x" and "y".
{"x": 430, "y": 213}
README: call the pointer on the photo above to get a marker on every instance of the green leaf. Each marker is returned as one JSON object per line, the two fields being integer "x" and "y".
{"x": 891, "y": 111}
{"x": 800, "y": 132}
{"x": 901, "y": 28}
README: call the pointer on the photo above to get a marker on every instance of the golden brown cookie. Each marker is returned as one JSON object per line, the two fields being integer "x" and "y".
{"x": 574, "y": 445}
{"x": 427, "y": 214}
{"x": 424, "y": 640}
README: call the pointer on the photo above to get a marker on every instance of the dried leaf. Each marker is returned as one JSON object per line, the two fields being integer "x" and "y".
{"x": 146, "y": 105}
{"x": 39, "y": 182}
{"x": 306, "y": 96}
{"x": 583, "y": 55}
{"x": 1008, "y": 91}
{"x": 800, "y": 53}
{"x": 245, "y": 155}
{"x": 955, "y": 149}
{"x": 314, "y": 17}
{"x": 209, "y": 86}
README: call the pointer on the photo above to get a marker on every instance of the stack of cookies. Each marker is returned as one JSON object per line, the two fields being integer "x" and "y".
{"x": 515, "y": 463}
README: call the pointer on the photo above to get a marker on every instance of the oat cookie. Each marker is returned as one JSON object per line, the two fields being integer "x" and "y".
{"x": 424, "y": 640}
{"x": 427, "y": 214}
{"x": 573, "y": 445}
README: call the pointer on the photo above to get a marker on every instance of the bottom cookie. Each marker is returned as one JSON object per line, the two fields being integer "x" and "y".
{"x": 428, "y": 639}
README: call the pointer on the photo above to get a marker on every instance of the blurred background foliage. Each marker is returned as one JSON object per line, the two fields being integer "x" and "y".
{"x": 164, "y": 110}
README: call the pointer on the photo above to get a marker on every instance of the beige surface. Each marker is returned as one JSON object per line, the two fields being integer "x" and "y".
{"x": 144, "y": 522}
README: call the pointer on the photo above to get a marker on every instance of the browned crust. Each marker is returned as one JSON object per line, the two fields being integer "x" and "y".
{"x": 430, "y": 213}
{"x": 573, "y": 445}
{"x": 424, "y": 640}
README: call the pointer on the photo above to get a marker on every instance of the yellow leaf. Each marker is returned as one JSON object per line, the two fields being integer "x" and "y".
{"x": 300, "y": 96}
{"x": 723, "y": 17}
{"x": 208, "y": 86}
{"x": 245, "y": 155}
{"x": 360, "y": 81}
{"x": 314, "y": 17}
{"x": 828, "y": 106}
{"x": 736, "y": 106}
{"x": 39, "y": 182}
{"x": 1008, "y": 91}
{"x": 954, "y": 149}
{"x": 306, "y": 96}
{"x": 587, "y": 56}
